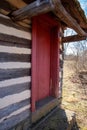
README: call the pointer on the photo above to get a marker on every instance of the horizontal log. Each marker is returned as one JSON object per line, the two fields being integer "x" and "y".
{"x": 9, "y": 23}
{"x": 9, "y": 57}
{"x": 13, "y": 73}
{"x": 11, "y": 99}
{"x": 35, "y": 8}
{"x": 73, "y": 38}
{"x": 10, "y": 40}
{"x": 13, "y": 107}
{"x": 14, "y": 120}
{"x": 60, "y": 51}
{"x": 64, "y": 16}
{"x": 14, "y": 89}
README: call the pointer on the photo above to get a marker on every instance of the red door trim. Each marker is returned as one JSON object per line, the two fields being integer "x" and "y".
{"x": 34, "y": 32}
{"x": 54, "y": 55}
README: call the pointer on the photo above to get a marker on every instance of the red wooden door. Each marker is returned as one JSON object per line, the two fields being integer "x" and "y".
{"x": 43, "y": 61}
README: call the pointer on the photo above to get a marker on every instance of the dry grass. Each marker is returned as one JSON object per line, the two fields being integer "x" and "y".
{"x": 74, "y": 97}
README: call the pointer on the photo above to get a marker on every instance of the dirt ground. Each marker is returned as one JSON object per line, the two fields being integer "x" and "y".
{"x": 75, "y": 94}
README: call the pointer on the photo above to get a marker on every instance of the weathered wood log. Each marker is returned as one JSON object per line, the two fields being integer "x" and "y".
{"x": 12, "y": 121}
{"x": 13, "y": 107}
{"x": 66, "y": 17}
{"x": 13, "y": 73}
{"x": 35, "y": 8}
{"x": 18, "y": 88}
{"x": 10, "y": 57}
{"x": 9, "y": 40}
{"x": 73, "y": 38}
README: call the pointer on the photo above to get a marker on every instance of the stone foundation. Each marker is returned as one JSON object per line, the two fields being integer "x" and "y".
{"x": 24, "y": 125}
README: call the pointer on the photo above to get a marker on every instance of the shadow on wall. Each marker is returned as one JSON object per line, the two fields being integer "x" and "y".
{"x": 60, "y": 119}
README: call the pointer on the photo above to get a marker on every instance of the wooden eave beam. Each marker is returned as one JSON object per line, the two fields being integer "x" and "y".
{"x": 61, "y": 12}
{"x": 73, "y": 38}
{"x": 35, "y": 8}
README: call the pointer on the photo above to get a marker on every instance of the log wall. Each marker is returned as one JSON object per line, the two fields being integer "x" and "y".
{"x": 61, "y": 60}
{"x": 15, "y": 73}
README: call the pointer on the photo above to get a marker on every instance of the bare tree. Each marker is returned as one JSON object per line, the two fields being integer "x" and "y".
{"x": 78, "y": 50}
{"x": 79, "y": 53}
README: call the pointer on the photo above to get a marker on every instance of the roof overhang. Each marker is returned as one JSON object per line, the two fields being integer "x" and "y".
{"x": 69, "y": 13}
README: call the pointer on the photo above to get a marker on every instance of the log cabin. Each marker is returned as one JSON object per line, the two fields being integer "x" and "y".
{"x": 31, "y": 57}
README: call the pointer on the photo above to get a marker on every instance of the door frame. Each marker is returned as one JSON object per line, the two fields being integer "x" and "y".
{"x": 54, "y": 65}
